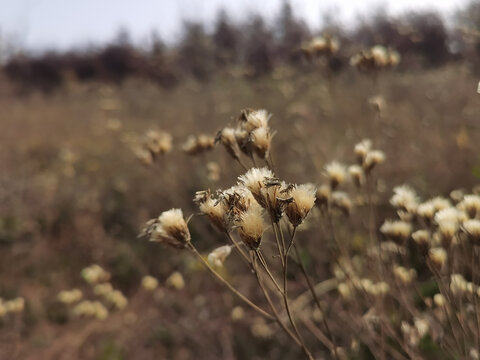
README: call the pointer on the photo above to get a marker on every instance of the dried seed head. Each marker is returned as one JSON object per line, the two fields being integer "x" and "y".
{"x": 426, "y": 210}
{"x": 303, "y": 201}
{"x": 149, "y": 283}
{"x": 472, "y": 228}
{"x": 405, "y": 276}
{"x": 215, "y": 212}
{"x": 196, "y": 145}
{"x": 404, "y": 198}
{"x": 70, "y": 296}
{"x": 396, "y": 230}
{"x": 217, "y": 257}
{"x": 176, "y": 281}
{"x": 340, "y": 200}
{"x": 471, "y": 205}
{"x": 254, "y": 180}
{"x": 357, "y": 175}
{"x": 422, "y": 238}
{"x": 362, "y": 149}
{"x": 439, "y": 300}
{"x": 170, "y": 228}
{"x": 144, "y": 155}
{"x": 213, "y": 171}
{"x": 345, "y": 291}
{"x": 250, "y": 227}
{"x": 438, "y": 257}
{"x": 94, "y": 274}
{"x": 323, "y": 195}
{"x": 277, "y": 196}
{"x": 254, "y": 119}
{"x": 158, "y": 142}
{"x": 261, "y": 139}
{"x": 373, "y": 158}
{"x": 458, "y": 284}
{"x": 450, "y": 214}
{"x": 227, "y": 138}
{"x": 336, "y": 173}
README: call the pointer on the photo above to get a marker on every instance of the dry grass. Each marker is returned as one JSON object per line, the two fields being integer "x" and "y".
{"x": 72, "y": 193}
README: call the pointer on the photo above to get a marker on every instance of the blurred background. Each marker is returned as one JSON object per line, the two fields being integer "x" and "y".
{"x": 83, "y": 84}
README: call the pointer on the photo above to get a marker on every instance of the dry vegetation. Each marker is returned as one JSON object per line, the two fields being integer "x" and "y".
{"x": 74, "y": 193}
{"x": 341, "y": 222}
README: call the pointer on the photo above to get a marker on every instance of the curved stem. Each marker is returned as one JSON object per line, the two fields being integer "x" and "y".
{"x": 228, "y": 285}
{"x": 267, "y": 270}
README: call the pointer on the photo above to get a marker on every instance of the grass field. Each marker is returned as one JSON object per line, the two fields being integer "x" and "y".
{"x": 73, "y": 193}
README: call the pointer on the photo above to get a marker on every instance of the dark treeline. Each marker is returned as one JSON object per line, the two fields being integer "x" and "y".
{"x": 254, "y": 48}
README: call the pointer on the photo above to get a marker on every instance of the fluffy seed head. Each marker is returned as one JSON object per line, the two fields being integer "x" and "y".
{"x": 149, "y": 283}
{"x": 227, "y": 138}
{"x": 261, "y": 139}
{"x": 254, "y": 180}
{"x": 254, "y": 119}
{"x": 176, "y": 281}
{"x": 422, "y": 238}
{"x": 336, "y": 173}
{"x": 158, "y": 142}
{"x": 472, "y": 228}
{"x": 373, "y": 158}
{"x": 439, "y": 300}
{"x": 70, "y": 296}
{"x": 356, "y": 174}
{"x": 404, "y": 198}
{"x": 303, "y": 201}
{"x": 438, "y": 257}
{"x": 362, "y": 149}
{"x": 405, "y": 276}
{"x": 396, "y": 230}
{"x": 341, "y": 201}
{"x": 458, "y": 284}
{"x": 471, "y": 205}
{"x": 217, "y": 257}
{"x": 251, "y": 227}
{"x": 169, "y": 228}
{"x": 323, "y": 195}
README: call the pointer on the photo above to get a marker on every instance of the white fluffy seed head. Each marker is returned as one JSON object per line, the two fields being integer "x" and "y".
{"x": 254, "y": 180}
{"x": 217, "y": 256}
{"x": 396, "y": 230}
{"x": 437, "y": 256}
{"x": 356, "y": 174}
{"x": 251, "y": 226}
{"x": 169, "y": 228}
{"x": 361, "y": 150}
{"x": 303, "y": 201}
{"x": 472, "y": 228}
{"x": 458, "y": 284}
{"x": 471, "y": 205}
{"x": 373, "y": 158}
{"x": 262, "y": 140}
{"x": 254, "y": 119}
{"x": 341, "y": 201}
{"x": 404, "y": 198}
{"x": 336, "y": 173}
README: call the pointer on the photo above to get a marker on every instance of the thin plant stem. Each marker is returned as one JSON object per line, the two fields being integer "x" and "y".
{"x": 316, "y": 299}
{"x": 286, "y": 302}
{"x": 272, "y": 306}
{"x": 267, "y": 270}
{"x": 228, "y": 285}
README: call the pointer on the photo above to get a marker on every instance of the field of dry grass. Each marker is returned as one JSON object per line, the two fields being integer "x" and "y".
{"x": 73, "y": 193}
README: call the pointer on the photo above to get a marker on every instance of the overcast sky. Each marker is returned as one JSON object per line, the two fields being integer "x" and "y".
{"x": 39, "y": 24}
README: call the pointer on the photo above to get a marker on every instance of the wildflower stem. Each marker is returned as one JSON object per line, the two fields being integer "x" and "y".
{"x": 228, "y": 285}
{"x": 316, "y": 299}
{"x": 477, "y": 337}
{"x": 277, "y": 240}
{"x": 267, "y": 270}
{"x": 272, "y": 306}
{"x": 286, "y": 303}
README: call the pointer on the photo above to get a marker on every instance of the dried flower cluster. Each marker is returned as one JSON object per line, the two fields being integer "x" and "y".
{"x": 375, "y": 59}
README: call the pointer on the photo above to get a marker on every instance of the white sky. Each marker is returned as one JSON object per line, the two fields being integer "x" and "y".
{"x": 63, "y": 24}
